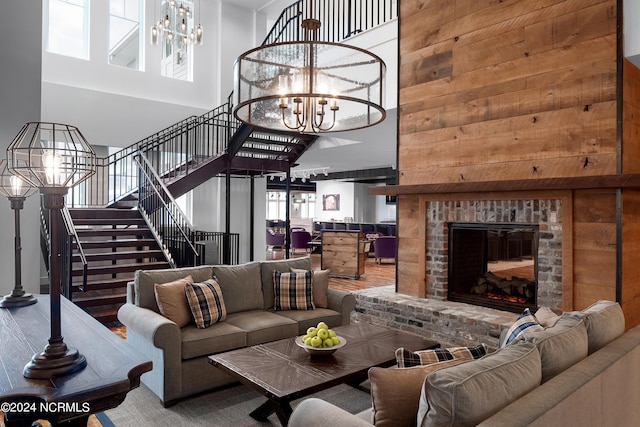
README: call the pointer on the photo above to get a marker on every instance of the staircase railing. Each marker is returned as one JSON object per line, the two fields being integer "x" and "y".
{"x": 164, "y": 217}
{"x": 68, "y": 237}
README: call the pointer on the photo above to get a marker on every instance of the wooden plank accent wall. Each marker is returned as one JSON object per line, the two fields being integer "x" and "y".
{"x": 594, "y": 247}
{"x": 493, "y": 91}
{"x": 630, "y": 256}
{"x": 494, "y": 94}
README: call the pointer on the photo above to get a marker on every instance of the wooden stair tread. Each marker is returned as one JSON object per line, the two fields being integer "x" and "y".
{"x": 122, "y": 268}
{"x": 105, "y": 256}
{"x": 118, "y": 243}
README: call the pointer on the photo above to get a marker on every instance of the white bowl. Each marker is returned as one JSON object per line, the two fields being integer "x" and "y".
{"x": 320, "y": 351}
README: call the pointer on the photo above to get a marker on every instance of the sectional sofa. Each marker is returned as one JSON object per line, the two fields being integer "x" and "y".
{"x": 582, "y": 370}
{"x": 179, "y": 352}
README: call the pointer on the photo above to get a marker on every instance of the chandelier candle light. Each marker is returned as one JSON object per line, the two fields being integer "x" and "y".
{"x": 52, "y": 157}
{"x": 16, "y": 190}
{"x": 176, "y": 26}
{"x": 309, "y": 86}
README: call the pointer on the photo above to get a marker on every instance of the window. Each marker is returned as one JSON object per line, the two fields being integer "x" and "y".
{"x": 68, "y": 27}
{"x": 125, "y": 37}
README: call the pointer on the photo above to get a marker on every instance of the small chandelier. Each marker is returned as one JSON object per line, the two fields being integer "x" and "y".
{"x": 309, "y": 86}
{"x": 176, "y": 26}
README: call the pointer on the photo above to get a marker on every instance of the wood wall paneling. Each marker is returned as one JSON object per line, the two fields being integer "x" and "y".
{"x": 630, "y": 253}
{"x": 630, "y": 118}
{"x": 411, "y": 233}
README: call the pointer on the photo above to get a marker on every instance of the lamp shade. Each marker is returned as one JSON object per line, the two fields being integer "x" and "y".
{"x": 309, "y": 86}
{"x": 12, "y": 185}
{"x": 51, "y": 155}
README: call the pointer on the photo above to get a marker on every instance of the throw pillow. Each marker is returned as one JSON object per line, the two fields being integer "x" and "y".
{"x": 293, "y": 291}
{"x": 407, "y": 358}
{"x": 468, "y": 393}
{"x": 172, "y": 301}
{"x": 206, "y": 303}
{"x": 605, "y": 322}
{"x": 320, "y": 283}
{"x": 525, "y": 322}
{"x": 546, "y": 317}
{"x": 241, "y": 285}
{"x": 395, "y": 393}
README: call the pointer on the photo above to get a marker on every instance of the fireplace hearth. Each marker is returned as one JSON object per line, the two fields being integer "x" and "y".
{"x": 493, "y": 265}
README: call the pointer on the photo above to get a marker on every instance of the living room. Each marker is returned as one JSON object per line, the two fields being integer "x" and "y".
{"x": 523, "y": 109}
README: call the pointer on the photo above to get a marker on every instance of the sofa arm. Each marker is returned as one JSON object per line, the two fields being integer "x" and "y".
{"x": 158, "y": 338}
{"x": 342, "y": 302}
{"x": 314, "y": 412}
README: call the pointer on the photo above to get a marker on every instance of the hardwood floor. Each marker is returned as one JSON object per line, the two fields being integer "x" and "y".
{"x": 375, "y": 275}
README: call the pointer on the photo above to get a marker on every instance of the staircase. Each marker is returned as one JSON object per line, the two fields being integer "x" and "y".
{"x": 116, "y": 243}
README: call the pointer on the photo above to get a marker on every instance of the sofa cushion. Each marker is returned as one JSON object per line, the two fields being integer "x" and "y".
{"x": 546, "y": 317}
{"x": 262, "y": 326}
{"x": 465, "y": 394}
{"x": 308, "y": 318}
{"x": 526, "y": 321}
{"x": 406, "y": 358}
{"x": 172, "y": 301}
{"x": 395, "y": 393}
{"x": 561, "y": 346}
{"x": 206, "y": 303}
{"x": 268, "y": 267}
{"x": 241, "y": 286}
{"x": 293, "y": 291}
{"x": 144, "y": 281}
{"x": 220, "y": 337}
{"x": 320, "y": 284}
{"x": 604, "y": 321}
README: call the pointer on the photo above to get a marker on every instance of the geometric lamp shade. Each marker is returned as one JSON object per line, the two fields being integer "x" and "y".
{"x": 12, "y": 185}
{"x": 51, "y": 155}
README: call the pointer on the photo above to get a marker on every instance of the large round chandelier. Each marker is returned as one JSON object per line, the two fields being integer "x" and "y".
{"x": 309, "y": 86}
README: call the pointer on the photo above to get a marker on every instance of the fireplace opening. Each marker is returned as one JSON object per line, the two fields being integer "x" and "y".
{"x": 494, "y": 265}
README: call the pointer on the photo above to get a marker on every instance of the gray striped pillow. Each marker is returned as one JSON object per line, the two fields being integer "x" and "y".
{"x": 206, "y": 303}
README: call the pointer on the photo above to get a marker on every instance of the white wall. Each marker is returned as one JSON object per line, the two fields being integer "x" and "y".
{"x": 631, "y": 30}
{"x": 346, "y": 190}
{"x": 20, "y": 71}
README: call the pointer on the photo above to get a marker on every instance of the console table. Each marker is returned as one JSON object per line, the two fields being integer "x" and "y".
{"x": 113, "y": 367}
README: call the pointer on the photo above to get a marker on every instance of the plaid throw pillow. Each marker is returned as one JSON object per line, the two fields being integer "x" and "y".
{"x": 406, "y": 358}
{"x": 293, "y": 291}
{"x": 206, "y": 303}
{"x": 525, "y": 322}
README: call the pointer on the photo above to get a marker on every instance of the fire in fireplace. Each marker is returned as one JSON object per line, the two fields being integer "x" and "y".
{"x": 493, "y": 265}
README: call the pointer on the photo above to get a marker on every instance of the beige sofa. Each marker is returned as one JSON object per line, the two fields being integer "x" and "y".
{"x": 179, "y": 354}
{"x": 535, "y": 381}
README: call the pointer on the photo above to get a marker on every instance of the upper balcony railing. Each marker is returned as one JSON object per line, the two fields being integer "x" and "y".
{"x": 340, "y": 19}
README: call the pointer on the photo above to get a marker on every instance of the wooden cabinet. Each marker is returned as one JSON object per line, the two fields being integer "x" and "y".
{"x": 344, "y": 252}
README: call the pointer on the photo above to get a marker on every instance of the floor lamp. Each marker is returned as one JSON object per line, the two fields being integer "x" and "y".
{"x": 17, "y": 191}
{"x": 52, "y": 157}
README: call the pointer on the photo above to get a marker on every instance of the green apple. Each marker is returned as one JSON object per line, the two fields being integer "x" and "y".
{"x": 335, "y": 340}
{"x": 304, "y": 338}
{"x": 323, "y": 334}
{"x": 322, "y": 325}
{"x": 312, "y": 331}
{"x": 307, "y": 340}
{"x": 316, "y": 341}
{"x": 332, "y": 333}
{"x": 327, "y": 343}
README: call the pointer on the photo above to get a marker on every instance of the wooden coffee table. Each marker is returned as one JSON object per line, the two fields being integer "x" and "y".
{"x": 283, "y": 372}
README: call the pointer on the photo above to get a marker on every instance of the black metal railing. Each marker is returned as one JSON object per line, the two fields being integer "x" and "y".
{"x": 165, "y": 218}
{"x": 70, "y": 240}
{"x": 340, "y": 19}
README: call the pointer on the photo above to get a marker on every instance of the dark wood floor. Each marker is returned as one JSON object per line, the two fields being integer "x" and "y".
{"x": 375, "y": 275}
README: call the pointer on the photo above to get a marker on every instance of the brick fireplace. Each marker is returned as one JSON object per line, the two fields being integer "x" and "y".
{"x": 545, "y": 214}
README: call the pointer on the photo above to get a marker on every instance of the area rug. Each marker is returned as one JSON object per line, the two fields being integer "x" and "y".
{"x": 229, "y": 406}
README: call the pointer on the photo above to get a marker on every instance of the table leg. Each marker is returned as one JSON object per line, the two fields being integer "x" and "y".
{"x": 282, "y": 409}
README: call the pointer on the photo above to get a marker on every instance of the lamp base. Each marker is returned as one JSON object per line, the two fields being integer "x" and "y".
{"x": 9, "y": 301}
{"x": 56, "y": 360}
